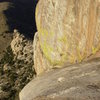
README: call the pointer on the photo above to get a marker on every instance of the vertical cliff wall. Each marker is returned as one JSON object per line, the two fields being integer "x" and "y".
{"x": 68, "y": 32}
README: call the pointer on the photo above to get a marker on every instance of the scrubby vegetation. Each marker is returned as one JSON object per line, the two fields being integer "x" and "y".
{"x": 14, "y": 75}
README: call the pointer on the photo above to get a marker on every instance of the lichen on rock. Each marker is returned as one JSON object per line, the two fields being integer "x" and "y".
{"x": 68, "y": 30}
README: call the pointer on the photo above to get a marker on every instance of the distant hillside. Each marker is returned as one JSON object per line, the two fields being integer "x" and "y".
{"x": 20, "y": 15}
{"x": 3, "y": 19}
{"x": 16, "y": 14}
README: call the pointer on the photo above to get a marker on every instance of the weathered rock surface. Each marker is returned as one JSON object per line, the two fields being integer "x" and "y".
{"x": 68, "y": 31}
{"x": 40, "y": 61}
{"x": 76, "y": 82}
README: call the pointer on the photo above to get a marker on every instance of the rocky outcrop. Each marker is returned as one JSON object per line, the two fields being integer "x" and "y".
{"x": 76, "y": 82}
{"x": 68, "y": 32}
{"x": 40, "y": 61}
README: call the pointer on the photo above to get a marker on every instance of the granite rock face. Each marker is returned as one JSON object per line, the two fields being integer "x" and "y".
{"x": 76, "y": 82}
{"x": 68, "y": 31}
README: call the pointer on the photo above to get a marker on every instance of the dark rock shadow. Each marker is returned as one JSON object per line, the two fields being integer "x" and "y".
{"x": 21, "y": 15}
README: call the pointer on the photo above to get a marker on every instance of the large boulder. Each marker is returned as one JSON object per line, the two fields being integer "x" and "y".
{"x": 68, "y": 31}
{"x": 41, "y": 64}
{"x": 77, "y": 82}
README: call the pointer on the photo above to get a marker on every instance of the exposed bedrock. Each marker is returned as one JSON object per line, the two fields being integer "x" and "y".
{"x": 68, "y": 32}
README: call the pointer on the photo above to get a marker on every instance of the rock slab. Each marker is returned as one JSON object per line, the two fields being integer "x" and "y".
{"x": 76, "y": 82}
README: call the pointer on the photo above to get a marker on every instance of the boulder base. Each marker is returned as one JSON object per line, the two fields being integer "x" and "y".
{"x": 76, "y": 82}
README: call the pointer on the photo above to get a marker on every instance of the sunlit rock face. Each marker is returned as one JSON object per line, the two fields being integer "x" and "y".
{"x": 68, "y": 30}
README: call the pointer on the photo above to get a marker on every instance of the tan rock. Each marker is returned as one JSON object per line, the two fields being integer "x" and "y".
{"x": 68, "y": 30}
{"x": 40, "y": 62}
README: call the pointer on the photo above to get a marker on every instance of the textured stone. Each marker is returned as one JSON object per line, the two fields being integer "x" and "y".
{"x": 68, "y": 30}
{"x": 77, "y": 82}
{"x": 40, "y": 62}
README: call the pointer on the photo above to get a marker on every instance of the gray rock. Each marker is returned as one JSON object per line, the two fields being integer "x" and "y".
{"x": 74, "y": 82}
